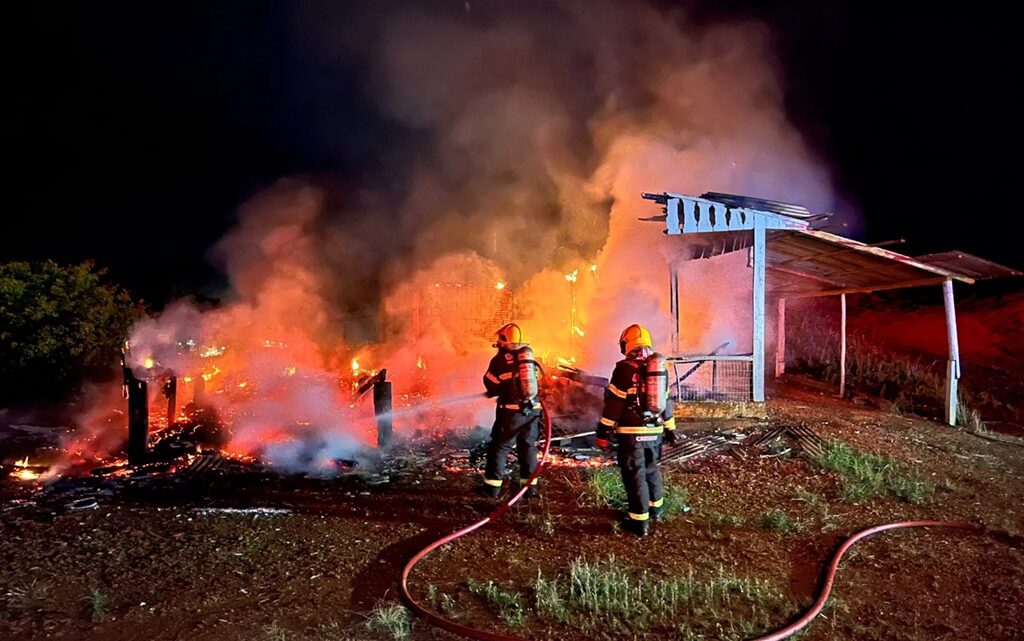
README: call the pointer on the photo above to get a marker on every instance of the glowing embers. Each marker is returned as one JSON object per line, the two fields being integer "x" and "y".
{"x": 24, "y": 472}
{"x": 212, "y": 351}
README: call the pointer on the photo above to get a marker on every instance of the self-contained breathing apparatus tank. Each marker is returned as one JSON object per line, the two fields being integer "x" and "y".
{"x": 653, "y": 395}
{"x": 526, "y": 385}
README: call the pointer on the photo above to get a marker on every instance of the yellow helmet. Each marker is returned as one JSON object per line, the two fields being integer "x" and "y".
{"x": 632, "y": 337}
{"x": 509, "y": 336}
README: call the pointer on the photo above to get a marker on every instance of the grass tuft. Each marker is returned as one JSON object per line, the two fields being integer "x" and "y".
{"x": 509, "y": 606}
{"x": 605, "y": 596}
{"x": 603, "y": 488}
{"x": 866, "y": 476}
{"x": 390, "y": 619}
{"x": 779, "y": 522}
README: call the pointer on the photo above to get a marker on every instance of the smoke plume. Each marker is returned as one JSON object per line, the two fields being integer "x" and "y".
{"x": 531, "y": 129}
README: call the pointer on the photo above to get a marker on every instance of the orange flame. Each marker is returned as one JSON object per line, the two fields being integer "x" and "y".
{"x": 24, "y": 474}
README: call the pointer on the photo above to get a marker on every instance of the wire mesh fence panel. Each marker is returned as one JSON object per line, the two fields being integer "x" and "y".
{"x": 713, "y": 379}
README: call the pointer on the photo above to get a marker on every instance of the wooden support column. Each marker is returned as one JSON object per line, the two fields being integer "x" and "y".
{"x": 842, "y": 345}
{"x": 673, "y": 303}
{"x": 759, "y": 261}
{"x": 953, "y": 366}
{"x": 171, "y": 392}
{"x": 780, "y": 339}
{"x": 382, "y": 408}
{"x": 138, "y": 420}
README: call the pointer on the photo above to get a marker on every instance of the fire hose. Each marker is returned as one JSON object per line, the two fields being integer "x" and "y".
{"x": 805, "y": 619}
{"x": 498, "y": 512}
{"x": 830, "y": 575}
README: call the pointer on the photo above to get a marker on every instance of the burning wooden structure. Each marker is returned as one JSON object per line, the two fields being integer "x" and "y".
{"x": 803, "y": 262}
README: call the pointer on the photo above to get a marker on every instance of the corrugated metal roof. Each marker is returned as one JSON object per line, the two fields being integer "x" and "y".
{"x": 968, "y": 265}
{"x": 816, "y": 263}
{"x": 760, "y": 204}
{"x": 804, "y": 261}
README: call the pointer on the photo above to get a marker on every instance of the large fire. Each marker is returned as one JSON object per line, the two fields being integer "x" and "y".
{"x": 523, "y": 207}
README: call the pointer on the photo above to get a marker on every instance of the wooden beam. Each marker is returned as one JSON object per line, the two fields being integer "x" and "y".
{"x": 953, "y": 366}
{"x": 858, "y": 290}
{"x": 844, "y": 250}
{"x": 842, "y": 345}
{"x": 760, "y": 259}
{"x": 780, "y": 339}
{"x": 794, "y": 272}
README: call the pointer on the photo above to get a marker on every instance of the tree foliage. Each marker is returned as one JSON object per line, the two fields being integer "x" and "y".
{"x": 59, "y": 325}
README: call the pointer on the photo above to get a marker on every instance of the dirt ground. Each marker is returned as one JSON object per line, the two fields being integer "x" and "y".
{"x": 153, "y": 566}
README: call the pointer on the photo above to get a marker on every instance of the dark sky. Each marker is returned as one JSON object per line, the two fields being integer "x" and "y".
{"x": 134, "y": 132}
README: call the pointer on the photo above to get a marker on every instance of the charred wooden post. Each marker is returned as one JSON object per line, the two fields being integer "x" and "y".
{"x": 138, "y": 417}
{"x": 171, "y": 392}
{"x": 198, "y": 391}
{"x": 382, "y": 409}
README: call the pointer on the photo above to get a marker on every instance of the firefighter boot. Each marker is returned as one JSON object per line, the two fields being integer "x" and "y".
{"x": 656, "y": 513}
{"x": 489, "y": 491}
{"x": 639, "y": 528}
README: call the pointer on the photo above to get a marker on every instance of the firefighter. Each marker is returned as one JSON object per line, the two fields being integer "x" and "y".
{"x": 512, "y": 378}
{"x": 638, "y": 412}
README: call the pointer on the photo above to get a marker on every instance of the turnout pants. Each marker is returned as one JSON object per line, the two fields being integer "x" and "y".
{"x": 638, "y": 462}
{"x": 512, "y": 428}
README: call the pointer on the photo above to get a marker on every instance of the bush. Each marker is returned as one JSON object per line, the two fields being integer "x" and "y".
{"x": 58, "y": 326}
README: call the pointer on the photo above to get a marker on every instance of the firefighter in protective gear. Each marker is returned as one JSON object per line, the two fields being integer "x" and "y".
{"x": 511, "y": 377}
{"x": 638, "y": 430}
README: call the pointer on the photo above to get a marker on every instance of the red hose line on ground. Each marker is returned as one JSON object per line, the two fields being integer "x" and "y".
{"x": 439, "y": 621}
{"x": 791, "y": 629}
{"x": 830, "y": 576}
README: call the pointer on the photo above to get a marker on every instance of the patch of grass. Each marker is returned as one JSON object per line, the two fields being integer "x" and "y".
{"x": 97, "y": 603}
{"x": 730, "y": 520}
{"x": 812, "y": 499}
{"x": 606, "y": 596}
{"x": 909, "y": 489}
{"x": 779, "y": 522}
{"x": 28, "y": 596}
{"x": 390, "y": 619}
{"x": 538, "y": 517}
{"x": 603, "y": 488}
{"x": 509, "y": 606}
{"x": 970, "y": 419}
{"x": 274, "y": 632}
{"x": 447, "y": 606}
{"x": 677, "y": 499}
{"x": 548, "y": 599}
{"x": 440, "y": 600}
{"x": 866, "y": 476}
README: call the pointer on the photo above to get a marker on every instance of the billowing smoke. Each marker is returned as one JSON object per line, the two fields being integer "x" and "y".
{"x": 531, "y": 128}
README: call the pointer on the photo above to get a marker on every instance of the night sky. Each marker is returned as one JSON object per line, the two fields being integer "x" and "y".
{"x": 134, "y": 132}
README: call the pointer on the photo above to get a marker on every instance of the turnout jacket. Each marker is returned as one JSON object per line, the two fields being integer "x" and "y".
{"x": 499, "y": 380}
{"x": 622, "y": 412}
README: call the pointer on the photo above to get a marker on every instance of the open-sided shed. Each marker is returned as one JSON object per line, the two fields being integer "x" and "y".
{"x": 803, "y": 262}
